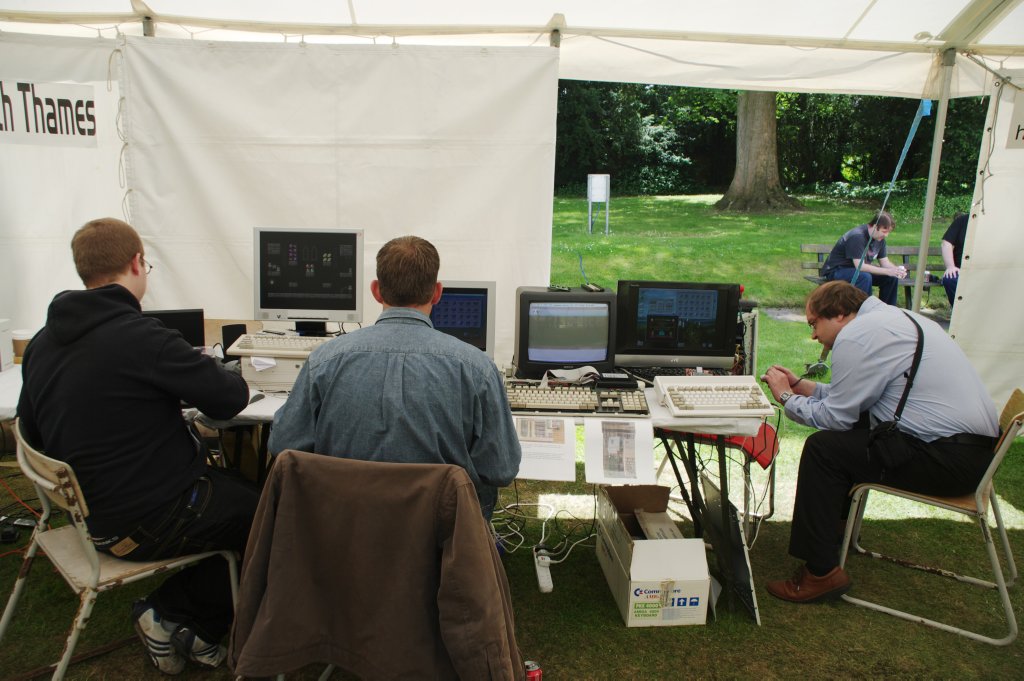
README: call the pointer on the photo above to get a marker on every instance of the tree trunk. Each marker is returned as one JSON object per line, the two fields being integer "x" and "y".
{"x": 755, "y": 183}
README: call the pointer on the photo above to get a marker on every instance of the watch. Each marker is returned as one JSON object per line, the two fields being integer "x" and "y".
{"x": 785, "y": 396}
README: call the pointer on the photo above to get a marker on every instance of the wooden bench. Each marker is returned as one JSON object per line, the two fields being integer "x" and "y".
{"x": 898, "y": 255}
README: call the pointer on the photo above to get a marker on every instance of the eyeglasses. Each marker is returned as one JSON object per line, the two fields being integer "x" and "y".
{"x": 813, "y": 323}
{"x": 147, "y": 266}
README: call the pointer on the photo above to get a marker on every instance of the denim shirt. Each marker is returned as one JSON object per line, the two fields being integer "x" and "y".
{"x": 402, "y": 391}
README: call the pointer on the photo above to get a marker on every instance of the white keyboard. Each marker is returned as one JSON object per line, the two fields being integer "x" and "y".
{"x": 528, "y": 397}
{"x": 264, "y": 345}
{"x": 712, "y": 396}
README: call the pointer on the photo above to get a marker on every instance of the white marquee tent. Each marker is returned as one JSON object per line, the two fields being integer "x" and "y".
{"x": 208, "y": 117}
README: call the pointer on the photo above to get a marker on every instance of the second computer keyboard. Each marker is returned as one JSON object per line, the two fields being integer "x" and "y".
{"x": 532, "y": 397}
{"x": 265, "y": 345}
{"x": 712, "y": 396}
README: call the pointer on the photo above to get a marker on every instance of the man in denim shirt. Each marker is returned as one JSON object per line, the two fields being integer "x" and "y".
{"x": 402, "y": 391}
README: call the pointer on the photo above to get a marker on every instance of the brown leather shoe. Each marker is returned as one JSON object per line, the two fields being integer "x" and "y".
{"x": 803, "y": 587}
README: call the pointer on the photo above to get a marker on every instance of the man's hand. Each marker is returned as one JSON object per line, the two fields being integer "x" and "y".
{"x": 779, "y": 380}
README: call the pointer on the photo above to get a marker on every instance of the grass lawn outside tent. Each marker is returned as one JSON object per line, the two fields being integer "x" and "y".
{"x": 576, "y": 631}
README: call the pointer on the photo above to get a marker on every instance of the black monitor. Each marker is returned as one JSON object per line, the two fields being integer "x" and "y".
{"x": 189, "y": 323}
{"x": 466, "y": 311}
{"x": 675, "y": 323}
{"x": 724, "y": 529}
{"x": 308, "y": 276}
{"x": 563, "y": 330}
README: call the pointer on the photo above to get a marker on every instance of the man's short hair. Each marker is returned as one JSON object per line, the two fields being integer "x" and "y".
{"x": 835, "y": 298}
{"x": 883, "y": 219}
{"x": 103, "y": 249}
{"x": 407, "y": 271}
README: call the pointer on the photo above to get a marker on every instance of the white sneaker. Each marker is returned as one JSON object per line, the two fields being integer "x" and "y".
{"x": 190, "y": 646}
{"x": 156, "y": 639}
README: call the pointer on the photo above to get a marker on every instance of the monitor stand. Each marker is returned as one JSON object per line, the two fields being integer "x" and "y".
{"x": 311, "y": 328}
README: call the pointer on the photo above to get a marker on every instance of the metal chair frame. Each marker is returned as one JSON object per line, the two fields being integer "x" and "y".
{"x": 974, "y": 506}
{"x": 70, "y": 548}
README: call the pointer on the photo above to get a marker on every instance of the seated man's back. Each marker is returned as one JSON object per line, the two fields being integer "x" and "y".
{"x": 402, "y": 391}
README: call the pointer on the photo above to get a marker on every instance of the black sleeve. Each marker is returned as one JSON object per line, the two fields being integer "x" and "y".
{"x": 198, "y": 379}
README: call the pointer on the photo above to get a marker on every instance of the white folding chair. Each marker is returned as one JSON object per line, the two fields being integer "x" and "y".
{"x": 70, "y": 549}
{"x": 974, "y": 506}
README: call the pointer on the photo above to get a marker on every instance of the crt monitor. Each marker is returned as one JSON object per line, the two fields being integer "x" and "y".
{"x": 563, "y": 330}
{"x": 308, "y": 276}
{"x": 675, "y": 323}
{"x": 466, "y": 311}
{"x": 189, "y": 323}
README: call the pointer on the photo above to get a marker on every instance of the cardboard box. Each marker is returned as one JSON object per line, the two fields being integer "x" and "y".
{"x": 655, "y": 582}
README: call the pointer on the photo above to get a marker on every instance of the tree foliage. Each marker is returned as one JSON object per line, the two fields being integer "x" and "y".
{"x": 656, "y": 139}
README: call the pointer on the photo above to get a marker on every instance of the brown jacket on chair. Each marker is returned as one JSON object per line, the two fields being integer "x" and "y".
{"x": 387, "y": 570}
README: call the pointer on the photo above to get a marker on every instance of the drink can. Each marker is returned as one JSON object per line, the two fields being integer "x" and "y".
{"x": 533, "y": 671}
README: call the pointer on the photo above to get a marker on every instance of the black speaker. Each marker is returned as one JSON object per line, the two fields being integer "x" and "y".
{"x": 229, "y": 334}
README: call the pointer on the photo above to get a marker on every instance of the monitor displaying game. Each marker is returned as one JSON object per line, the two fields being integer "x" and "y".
{"x": 466, "y": 311}
{"x": 308, "y": 276}
{"x": 672, "y": 323}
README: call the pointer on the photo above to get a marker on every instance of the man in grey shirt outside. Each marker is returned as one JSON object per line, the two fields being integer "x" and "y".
{"x": 402, "y": 391}
{"x": 949, "y": 423}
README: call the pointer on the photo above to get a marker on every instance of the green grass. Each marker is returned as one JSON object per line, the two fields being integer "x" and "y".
{"x": 576, "y": 631}
{"x": 683, "y": 238}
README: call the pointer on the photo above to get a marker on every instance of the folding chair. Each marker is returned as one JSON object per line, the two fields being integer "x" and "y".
{"x": 975, "y": 506}
{"x": 70, "y": 549}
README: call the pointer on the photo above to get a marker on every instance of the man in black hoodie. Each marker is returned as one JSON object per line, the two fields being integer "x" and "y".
{"x": 103, "y": 387}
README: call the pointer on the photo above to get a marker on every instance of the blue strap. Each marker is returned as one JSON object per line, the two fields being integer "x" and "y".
{"x": 923, "y": 109}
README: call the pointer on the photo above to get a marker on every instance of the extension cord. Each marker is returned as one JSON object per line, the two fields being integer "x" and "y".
{"x": 542, "y": 561}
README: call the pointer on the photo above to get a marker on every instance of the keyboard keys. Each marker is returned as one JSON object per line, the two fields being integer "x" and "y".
{"x": 530, "y": 397}
{"x": 712, "y": 396}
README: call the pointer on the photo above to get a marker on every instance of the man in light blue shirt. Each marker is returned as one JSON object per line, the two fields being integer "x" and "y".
{"x": 402, "y": 391}
{"x": 949, "y": 423}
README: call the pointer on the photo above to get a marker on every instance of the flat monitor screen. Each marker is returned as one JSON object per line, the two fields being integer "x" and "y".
{"x": 676, "y": 323}
{"x": 466, "y": 311}
{"x": 308, "y": 275}
{"x": 190, "y": 323}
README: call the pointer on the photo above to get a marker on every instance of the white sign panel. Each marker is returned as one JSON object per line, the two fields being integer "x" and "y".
{"x": 598, "y": 187}
{"x": 1015, "y": 138}
{"x": 49, "y": 114}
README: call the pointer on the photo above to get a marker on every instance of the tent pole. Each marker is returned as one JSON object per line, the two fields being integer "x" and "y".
{"x": 948, "y": 61}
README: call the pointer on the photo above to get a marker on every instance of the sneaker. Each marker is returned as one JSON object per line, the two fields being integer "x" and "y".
{"x": 803, "y": 587}
{"x": 196, "y": 649}
{"x": 156, "y": 638}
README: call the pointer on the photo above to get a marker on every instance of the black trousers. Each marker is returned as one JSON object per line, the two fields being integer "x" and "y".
{"x": 834, "y": 461}
{"x": 215, "y": 513}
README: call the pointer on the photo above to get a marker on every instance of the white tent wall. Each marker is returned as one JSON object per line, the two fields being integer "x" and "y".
{"x": 987, "y": 322}
{"x": 49, "y": 187}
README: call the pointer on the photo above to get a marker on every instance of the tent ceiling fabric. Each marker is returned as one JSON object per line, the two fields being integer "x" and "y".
{"x": 862, "y": 46}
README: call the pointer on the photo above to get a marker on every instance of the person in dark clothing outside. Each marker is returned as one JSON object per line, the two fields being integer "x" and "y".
{"x": 858, "y": 248}
{"x": 953, "y": 253}
{"x": 102, "y": 390}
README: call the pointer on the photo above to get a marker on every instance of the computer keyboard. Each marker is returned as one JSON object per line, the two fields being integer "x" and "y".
{"x": 260, "y": 345}
{"x": 530, "y": 397}
{"x": 712, "y": 396}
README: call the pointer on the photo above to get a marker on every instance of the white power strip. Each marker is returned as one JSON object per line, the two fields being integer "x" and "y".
{"x": 542, "y": 561}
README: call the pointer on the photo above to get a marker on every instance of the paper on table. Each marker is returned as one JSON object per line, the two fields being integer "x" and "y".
{"x": 619, "y": 451}
{"x": 262, "y": 363}
{"x": 549, "y": 448}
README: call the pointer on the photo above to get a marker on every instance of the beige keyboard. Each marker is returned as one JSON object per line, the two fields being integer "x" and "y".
{"x": 712, "y": 396}
{"x": 266, "y": 345}
{"x": 530, "y": 397}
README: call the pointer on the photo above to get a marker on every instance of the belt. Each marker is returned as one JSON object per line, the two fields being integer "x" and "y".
{"x": 970, "y": 439}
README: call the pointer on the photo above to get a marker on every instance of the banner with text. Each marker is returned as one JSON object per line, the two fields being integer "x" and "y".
{"x": 51, "y": 114}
